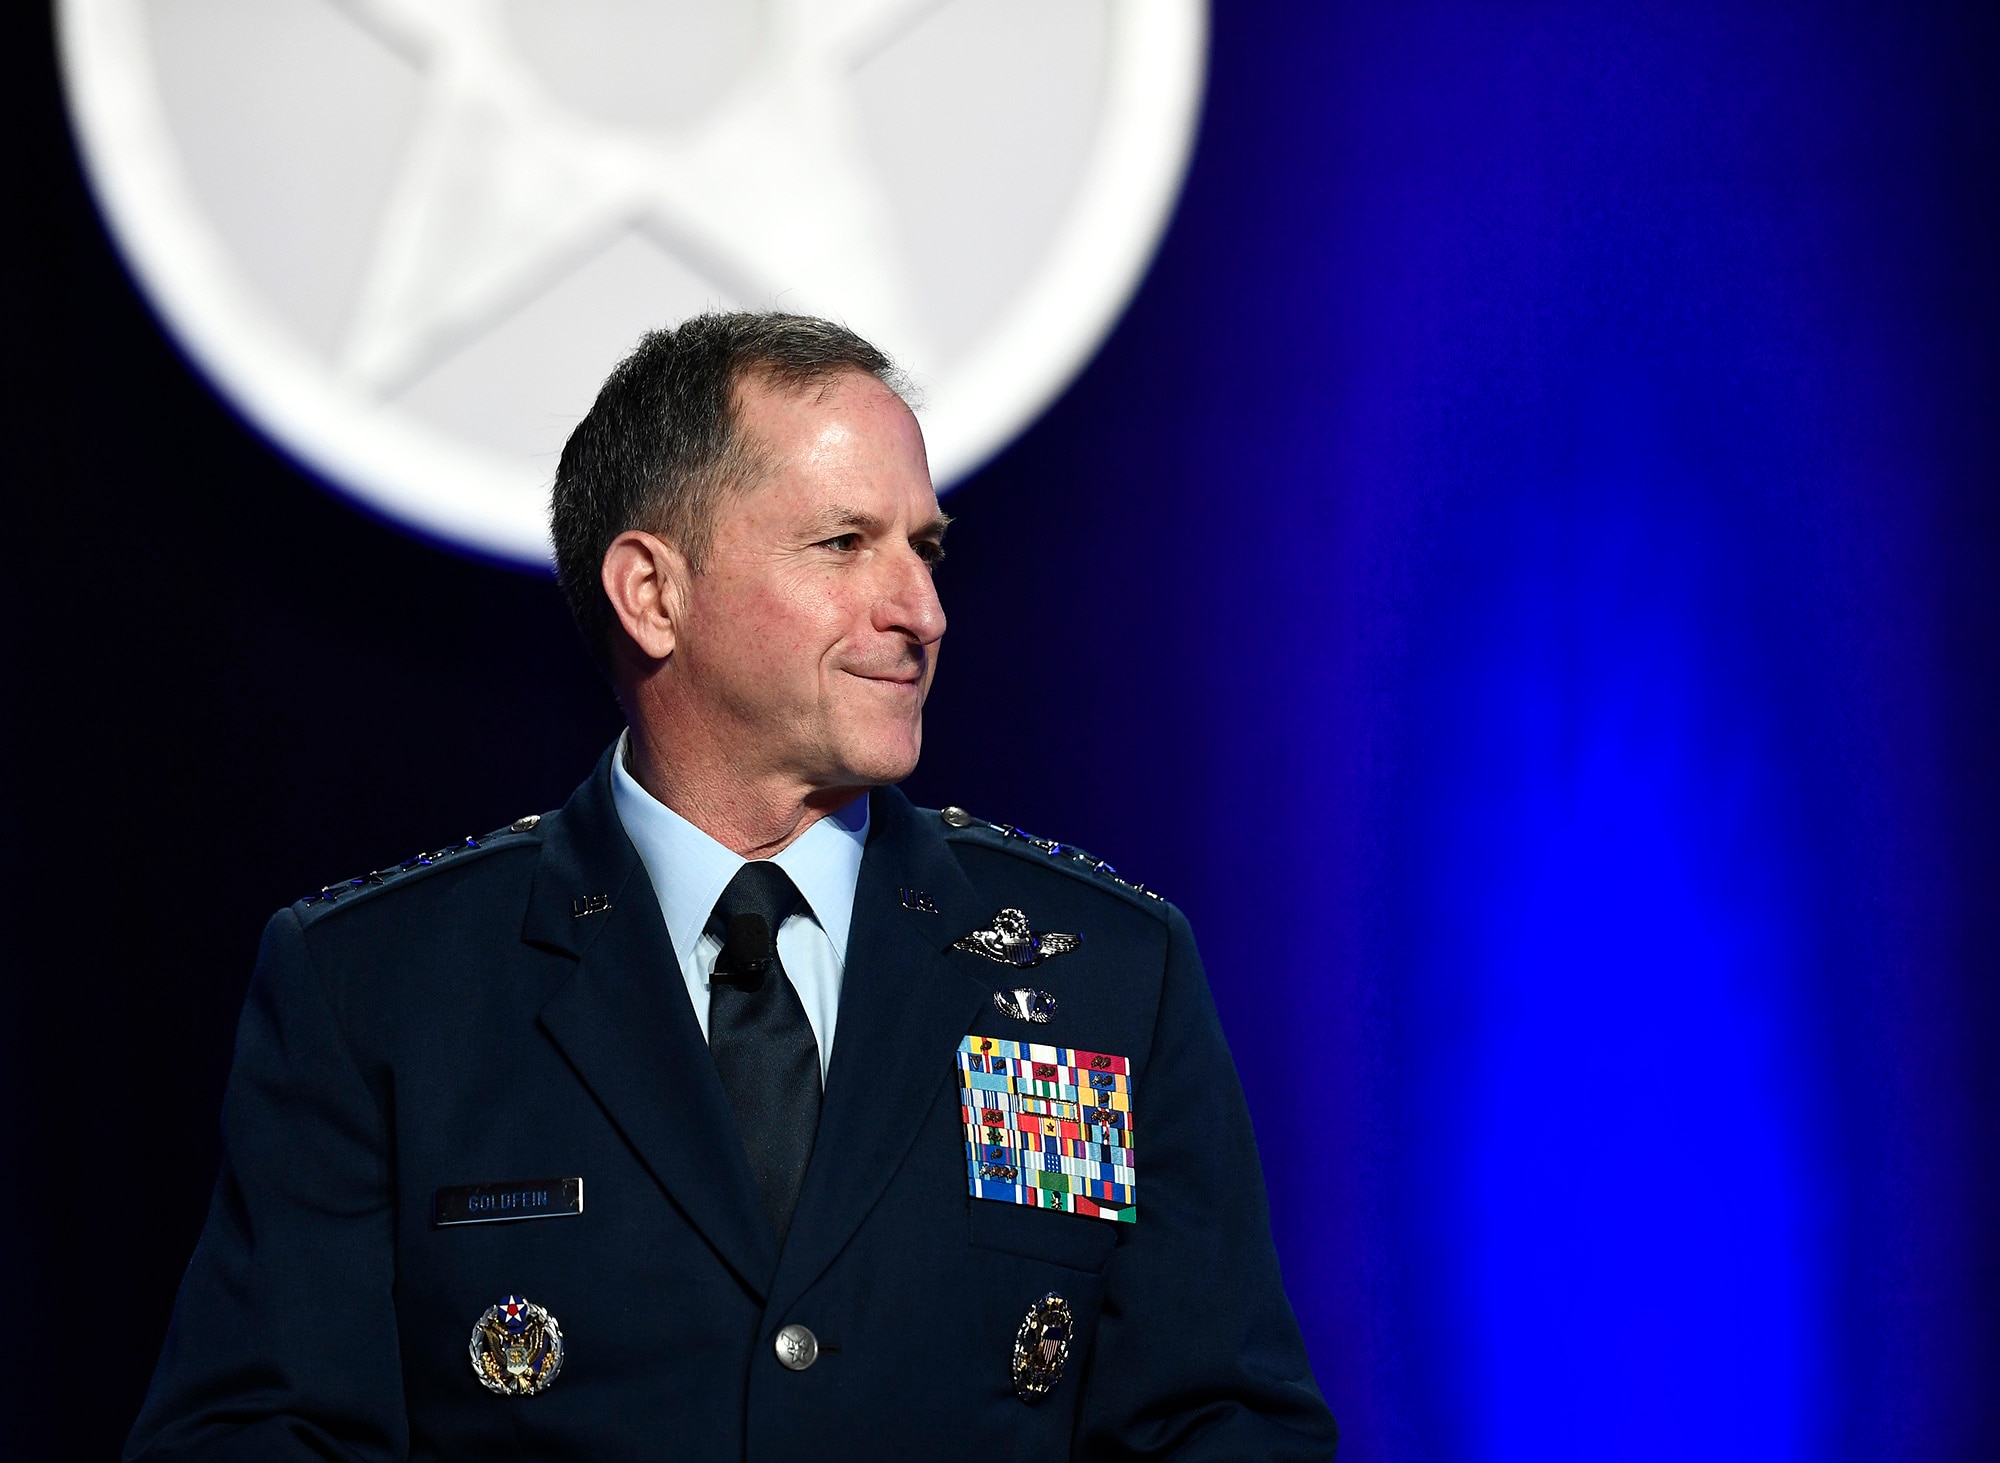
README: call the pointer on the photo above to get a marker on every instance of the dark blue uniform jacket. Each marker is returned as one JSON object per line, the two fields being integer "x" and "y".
{"x": 461, "y": 1022}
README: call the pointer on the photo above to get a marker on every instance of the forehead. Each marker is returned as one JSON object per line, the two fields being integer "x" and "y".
{"x": 845, "y": 449}
{"x": 849, "y": 414}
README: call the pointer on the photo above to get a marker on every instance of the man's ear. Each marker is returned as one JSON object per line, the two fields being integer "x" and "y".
{"x": 646, "y": 579}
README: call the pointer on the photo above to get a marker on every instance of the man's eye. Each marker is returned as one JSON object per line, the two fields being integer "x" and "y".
{"x": 931, "y": 553}
{"x": 845, "y": 542}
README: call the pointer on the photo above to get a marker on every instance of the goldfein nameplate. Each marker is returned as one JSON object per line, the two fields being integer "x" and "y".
{"x": 514, "y": 1199}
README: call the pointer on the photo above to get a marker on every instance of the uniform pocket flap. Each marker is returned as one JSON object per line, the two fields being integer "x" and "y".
{"x": 1071, "y": 1240}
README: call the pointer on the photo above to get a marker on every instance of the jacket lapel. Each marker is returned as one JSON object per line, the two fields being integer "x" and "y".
{"x": 623, "y": 1021}
{"x": 904, "y": 1006}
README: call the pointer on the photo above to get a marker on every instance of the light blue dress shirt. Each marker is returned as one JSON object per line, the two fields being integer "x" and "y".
{"x": 690, "y": 870}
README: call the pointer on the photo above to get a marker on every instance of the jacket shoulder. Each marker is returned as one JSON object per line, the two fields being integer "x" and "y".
{"x": 522, "y": 835}
{"x": 962, "y": 830}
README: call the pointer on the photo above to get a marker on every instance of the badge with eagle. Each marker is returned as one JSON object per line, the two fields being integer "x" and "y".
{"x": 517, "y": 1348}
{"x": 1011, "y": 941}
{"x": 1041, "y": 1347}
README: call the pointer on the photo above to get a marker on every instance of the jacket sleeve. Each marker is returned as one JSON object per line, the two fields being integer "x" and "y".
{"x": 283, "y": 1342}
{"x": 1198, "y": 1355}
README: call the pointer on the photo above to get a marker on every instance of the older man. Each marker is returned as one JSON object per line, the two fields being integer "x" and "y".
{"x": 739, "y": 1109}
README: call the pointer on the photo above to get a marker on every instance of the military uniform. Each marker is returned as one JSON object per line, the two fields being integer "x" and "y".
{"x": 507, "y": 1010}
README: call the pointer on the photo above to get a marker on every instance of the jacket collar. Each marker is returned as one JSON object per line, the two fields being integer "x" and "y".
{"x": 904, "y": 1006}
{"x": 623, "y": 1021}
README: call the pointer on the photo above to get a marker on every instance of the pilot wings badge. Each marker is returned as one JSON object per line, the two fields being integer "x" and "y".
{"x": 516, "y": 1349}
{"x": 1012, "y": 942}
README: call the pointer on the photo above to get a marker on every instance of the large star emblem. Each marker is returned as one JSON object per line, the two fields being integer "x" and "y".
{"x": 408, "y": 238}
{"x": 504, "y": 185}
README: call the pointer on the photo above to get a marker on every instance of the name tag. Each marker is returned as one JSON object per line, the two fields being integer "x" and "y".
{"x": 497, "y": 1203}
{"x": 1049, "y": 1127}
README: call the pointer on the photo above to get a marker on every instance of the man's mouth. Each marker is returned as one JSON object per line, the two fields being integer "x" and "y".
{"x": 899, "y": 676}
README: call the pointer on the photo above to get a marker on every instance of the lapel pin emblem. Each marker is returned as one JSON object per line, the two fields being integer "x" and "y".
{"x": 1025, "y": 1003}
{"x": 1041, "y": 1347}
{"x": 917, "y": 900}
{"x": 516, "y": 1349}
{"x": 589, "y": 904}
{"x": 1012, "y": 942}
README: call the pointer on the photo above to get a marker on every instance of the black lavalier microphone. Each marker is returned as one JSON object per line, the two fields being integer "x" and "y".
{"x": 746, "y": 953}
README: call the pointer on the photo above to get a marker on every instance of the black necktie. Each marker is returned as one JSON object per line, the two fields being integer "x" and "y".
{"x": 759, "y": 1036}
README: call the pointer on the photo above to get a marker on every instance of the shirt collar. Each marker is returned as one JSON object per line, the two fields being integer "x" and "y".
{"x": 690, "y": 870}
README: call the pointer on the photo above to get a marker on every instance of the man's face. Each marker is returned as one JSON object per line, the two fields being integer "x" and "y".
{"x": 812, "y": 633}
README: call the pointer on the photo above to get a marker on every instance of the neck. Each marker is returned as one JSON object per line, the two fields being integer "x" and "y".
{"x": 753, "y": 817}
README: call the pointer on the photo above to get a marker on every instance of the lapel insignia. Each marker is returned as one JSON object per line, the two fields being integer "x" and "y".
{"x": 1041, "y": 1347}
{"x": 1025, "y": 1003}
{"x": 1012, "y": 942}
{"x": 1049, "y": 1127}
{"x": 517, "y": 1348}
{"x": 589, "y": 904}
{"x": 916, "y": 899}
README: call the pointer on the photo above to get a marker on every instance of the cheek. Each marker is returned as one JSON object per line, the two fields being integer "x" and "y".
{"x": 771, "y": 630}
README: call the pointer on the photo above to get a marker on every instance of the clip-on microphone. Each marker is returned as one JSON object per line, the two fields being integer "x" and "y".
{"x": 746, "y": 953}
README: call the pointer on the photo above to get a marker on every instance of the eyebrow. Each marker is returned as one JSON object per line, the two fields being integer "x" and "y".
{"x": 842, "y": 516}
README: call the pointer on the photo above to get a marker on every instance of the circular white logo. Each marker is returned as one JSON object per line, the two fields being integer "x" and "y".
{"x": 409, "y": 238}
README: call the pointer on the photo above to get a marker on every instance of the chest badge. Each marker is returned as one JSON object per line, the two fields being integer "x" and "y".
{"x": 1041, "y": 1347}
{"x": 1025, "y": 1003}
{"x": 516, "y": 1349}
{"x": 1011, "y": 941}
{"x": 1049, "y": 1127}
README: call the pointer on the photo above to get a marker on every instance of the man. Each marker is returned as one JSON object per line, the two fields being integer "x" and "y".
{"x": 902, "y": 1135}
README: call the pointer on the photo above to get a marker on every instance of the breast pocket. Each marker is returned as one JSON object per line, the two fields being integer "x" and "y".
{"x": 1021, "y": 1262}
{"x": 1074, "y": 1241}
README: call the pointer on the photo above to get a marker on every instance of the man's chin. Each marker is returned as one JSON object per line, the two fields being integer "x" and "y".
{"x": 877, "y": 761}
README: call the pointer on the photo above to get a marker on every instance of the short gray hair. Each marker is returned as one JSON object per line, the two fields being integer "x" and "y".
{"x": 660, "y": 448}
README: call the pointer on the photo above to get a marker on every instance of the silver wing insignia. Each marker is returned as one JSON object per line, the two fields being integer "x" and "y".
{"x": 1012, "y": 941}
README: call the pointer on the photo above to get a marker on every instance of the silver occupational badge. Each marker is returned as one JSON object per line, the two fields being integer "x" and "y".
{"x": 1041, "y": 1347}
{"x": 1025, "y": 1003}
{"x": 1012, "y": 942}
{"x": 517, "y": 1348}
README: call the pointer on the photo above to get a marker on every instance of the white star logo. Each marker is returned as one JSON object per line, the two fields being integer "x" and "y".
{"x": 504, "y": 183}
{"x": 501, "y": 189}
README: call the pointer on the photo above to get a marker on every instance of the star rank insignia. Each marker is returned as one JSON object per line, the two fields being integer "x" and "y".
{"x": 516, "y": 1348}
{"x": 1011, "y": 941}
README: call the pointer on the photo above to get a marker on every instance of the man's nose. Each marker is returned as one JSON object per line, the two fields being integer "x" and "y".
{"x": 909, "y": 601}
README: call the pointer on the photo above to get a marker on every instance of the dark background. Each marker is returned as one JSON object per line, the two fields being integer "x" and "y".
{"x": 1523, "y": 575}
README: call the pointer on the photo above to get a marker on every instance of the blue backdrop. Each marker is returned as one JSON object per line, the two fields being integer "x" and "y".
{"x": 1523, "y": 576}
{"x": 1532, "y": 597}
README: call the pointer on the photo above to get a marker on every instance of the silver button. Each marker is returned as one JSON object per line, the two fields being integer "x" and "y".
{"x": 797, "y": 1347}
{"x": 956, "y": 818}
{"x": 523, "y": 824}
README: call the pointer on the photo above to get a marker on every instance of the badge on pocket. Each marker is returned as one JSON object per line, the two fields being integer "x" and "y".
{"x": 1049, "y": 1127}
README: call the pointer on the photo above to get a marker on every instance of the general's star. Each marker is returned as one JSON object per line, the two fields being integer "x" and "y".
{"x": 504, "y": 188}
